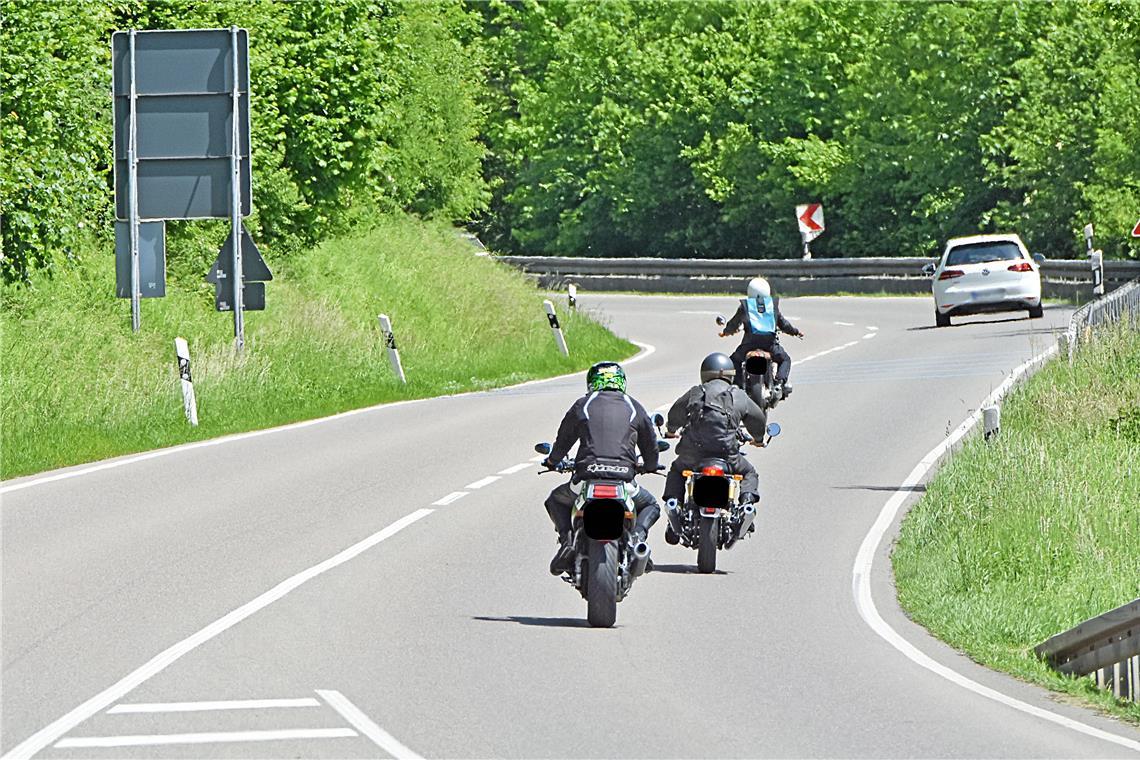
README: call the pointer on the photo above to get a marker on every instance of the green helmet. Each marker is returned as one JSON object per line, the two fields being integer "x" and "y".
{"x": 606, "y": 376}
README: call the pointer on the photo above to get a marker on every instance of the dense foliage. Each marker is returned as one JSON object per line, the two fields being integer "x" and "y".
{"x": 620, "y": 127}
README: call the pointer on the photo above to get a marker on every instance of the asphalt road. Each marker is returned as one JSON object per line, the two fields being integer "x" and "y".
{"x": 202, "y": 603}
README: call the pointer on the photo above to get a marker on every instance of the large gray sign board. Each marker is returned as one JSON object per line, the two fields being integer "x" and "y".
{"x": 183, "y": 121}
{"x": 152, "y": 259}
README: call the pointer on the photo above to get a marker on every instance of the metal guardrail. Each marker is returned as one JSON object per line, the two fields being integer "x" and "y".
{"x": 1121, "y": 305}
{"x": 1107, "y": 646}
{"x": 1060, "y": 277}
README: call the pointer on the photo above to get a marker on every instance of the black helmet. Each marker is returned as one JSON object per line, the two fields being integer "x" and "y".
{"x": 717, "y": 365}
{"x": 605, "y": 376}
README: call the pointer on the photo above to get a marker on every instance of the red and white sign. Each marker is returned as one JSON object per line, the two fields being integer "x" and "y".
{"x": 1136, "y": 230}
{"x": 810, "y": 218}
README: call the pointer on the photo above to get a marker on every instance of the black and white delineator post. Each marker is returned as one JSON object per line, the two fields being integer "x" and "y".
{"x": 393, "y": 352}
{"x": 189, "y": 403}
{"x": 991, "y": 422}
{"x": 552, "y": 318}
{"x": 1096, "y": 262}
{"x": 235, "y": 195}
{"x": 572, "y": 295}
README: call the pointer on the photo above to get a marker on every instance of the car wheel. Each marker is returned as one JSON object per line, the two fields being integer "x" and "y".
{"x": 940, "y": 319}
{"x": 1036, "y": 312}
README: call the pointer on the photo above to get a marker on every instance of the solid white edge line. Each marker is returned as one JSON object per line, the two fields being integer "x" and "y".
{"x": 53, "y": 731}
{"x": 225, "y": 704}
{"x": 515, "y": 468}
{"x": 126, "y": 459}
{"x": 451, "y": 497}
{"x": 146, "y": 740}
{"x": 864, "y": 562}
{"x": 482, "y": 482}
{"x": 362, "y": 723}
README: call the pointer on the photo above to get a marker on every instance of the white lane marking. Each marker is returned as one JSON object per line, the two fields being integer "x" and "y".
{"x": 366, "y": 726}
{"x": 145, "y": 740}
{"x": 482, "y": 482}
{"x": 515, "y": 468}
{"x": 870, "y": 335}
{"x": 646, "y": 350}
{"x": 226, "y": 704}
{"x": 451, "y": 497}
{"x": 703, "y": 313}
{"x": 872, "y": 327}
{"x": 864, "y": 561}
{"x": 538, "y": 458}
{"x": 845, "y": 324}
{"x": 828, "y": 351}
{"x": 167, "y": 657}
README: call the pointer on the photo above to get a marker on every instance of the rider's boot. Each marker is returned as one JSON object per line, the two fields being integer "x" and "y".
{"x": 563, "y": 560}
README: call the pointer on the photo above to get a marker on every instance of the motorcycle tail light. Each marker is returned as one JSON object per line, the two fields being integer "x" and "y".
{"x": 709, "y": 510}
{"x": 950, "y": 274}
{"x": 605, "y": 491}
{"x": 712, "y": 470}
{"x": 1024, "y": 266}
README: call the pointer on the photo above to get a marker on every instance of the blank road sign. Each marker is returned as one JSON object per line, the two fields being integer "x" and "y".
{"x": 152, "y": 259}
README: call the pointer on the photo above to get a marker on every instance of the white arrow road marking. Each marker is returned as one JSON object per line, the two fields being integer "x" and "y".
{"x": 145, "y": 740}
{"x": 864, "y": 561}
{"x": 515, "y": 468}
{"x": 227, "y": 704}
{"x": 169, "y": 656}
{"x": 366, "y": 726}
{"x": 482, "y": 482}
{"x": 451, "y": 497}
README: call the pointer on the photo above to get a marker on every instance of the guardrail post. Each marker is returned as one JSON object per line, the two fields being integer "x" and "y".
{"x": 393, "y": 352}
{"x": 552, "y": 318}
{"x": 189, "y": 402}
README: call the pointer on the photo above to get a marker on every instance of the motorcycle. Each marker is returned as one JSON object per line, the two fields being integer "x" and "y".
{"x": 607, "y": 559}
{"x": 712, "y": 517}
{"x": 759, "y": 376}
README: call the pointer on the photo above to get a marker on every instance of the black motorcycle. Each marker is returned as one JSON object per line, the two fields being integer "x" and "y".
{"x": 759, "y": 380}
{"x": 712, "y": 517}
{"x": 607, "y": 559}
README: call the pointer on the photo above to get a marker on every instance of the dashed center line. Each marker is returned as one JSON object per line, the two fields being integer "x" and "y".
{"x": 869, "y": 335}
{"x": 451, "y": 497}
{"x": 515, "y": 468}
{"x": 828, "y": 351}
{"x": 845, "y": 324}
{"x": 482, "y": 482}
{"x": 872, "y": 327}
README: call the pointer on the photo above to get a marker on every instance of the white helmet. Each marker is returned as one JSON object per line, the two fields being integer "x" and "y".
{"x": 758, "y": 287}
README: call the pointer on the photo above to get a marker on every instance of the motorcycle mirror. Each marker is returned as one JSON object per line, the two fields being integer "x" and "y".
{"x": 721, "y": 320}
{"x": 542, "y": 448}
{"x": 659, "y": 419}
{"x": 662, "y": 445}
{"x": 773, "y": 429}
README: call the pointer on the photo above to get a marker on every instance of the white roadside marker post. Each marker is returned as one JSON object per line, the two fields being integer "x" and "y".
{"x": 189, "y": 403}
{"x": 572, "y": 295}
{"x": 552, "y": 318}
{"x": 991, "y": 422}
{"x": 393, "y": 352}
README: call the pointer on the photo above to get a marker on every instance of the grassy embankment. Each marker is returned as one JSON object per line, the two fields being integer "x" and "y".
{"x": 1025, "y": 537}
{"x": 76, "y": 385}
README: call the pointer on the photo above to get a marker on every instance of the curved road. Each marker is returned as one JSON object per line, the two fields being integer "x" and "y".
{"x": 376, "y": 584}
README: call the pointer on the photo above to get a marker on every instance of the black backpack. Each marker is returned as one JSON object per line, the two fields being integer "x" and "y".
{"x": 713, "y": 423}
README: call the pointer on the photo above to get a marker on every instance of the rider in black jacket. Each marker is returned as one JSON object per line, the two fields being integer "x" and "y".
{"x": 760, "y": 316}
{"x": 609, "y": 427}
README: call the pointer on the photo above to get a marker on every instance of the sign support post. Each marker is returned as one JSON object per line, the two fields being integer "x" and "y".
{"x": 235, "y": 196}
{"x": 133, "y": 200}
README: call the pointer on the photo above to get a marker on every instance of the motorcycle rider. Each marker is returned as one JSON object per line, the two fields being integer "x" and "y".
{"x": 609, "y": 427}
{"x": 760, "y": 316}
{"x": 711, "y": 414}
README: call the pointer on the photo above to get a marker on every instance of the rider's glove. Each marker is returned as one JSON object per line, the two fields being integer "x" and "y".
{"x": 548, "y": 464}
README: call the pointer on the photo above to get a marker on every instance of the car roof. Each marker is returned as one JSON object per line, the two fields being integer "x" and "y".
{"x": 1008, "y": 237}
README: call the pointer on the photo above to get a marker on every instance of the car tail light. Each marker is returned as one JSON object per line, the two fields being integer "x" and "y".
{"x": 1024, "y": 266}
{"x": 712, "y": 470}
{"x": 950, "y": 274}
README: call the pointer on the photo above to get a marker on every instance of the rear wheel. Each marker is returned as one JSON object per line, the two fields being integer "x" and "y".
{"x": 1036, "y": 312}
{"x": 601, "y": 584}
{"x": 706, "y": 544}
{"x": 940, "y": 319}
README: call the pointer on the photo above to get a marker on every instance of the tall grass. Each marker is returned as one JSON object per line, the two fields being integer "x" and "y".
{"x": 1028, "y": 535}
{"x": 76, "y": 385}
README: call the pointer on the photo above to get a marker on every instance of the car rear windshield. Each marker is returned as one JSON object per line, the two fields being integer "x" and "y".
{"x": 979, "y": 253}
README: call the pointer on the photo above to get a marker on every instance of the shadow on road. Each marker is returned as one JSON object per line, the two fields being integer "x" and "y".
{"x": 911, "y": 489}
{"x": 554, "y": 622}
{"x": 682, "y": 570}
{"x": 967, "y": 324}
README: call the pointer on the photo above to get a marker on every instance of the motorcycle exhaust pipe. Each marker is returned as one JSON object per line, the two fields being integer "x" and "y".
{"x": 673, "y": 514}
{"x": 746, "y": 520}
{"x": 640, "y": 559}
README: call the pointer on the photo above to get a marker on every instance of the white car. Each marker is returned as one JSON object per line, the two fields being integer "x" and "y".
{"x": 985, "y": 273}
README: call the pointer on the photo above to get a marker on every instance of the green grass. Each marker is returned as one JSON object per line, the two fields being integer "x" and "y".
{"x": 76, "y": 385}
{"x": 1024, "y": 537}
